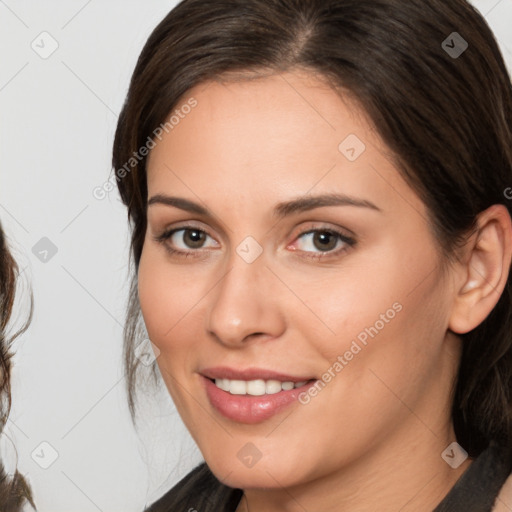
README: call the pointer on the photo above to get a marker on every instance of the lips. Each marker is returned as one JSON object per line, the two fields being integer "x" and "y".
{"x": 251, "y": 409}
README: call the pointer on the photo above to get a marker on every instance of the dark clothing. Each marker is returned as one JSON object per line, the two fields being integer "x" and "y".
{"x": 475, "y": 491}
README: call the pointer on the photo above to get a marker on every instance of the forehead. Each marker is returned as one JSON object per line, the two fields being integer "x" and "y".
{"x": 266, "y": 138}
{"x": 264, "y": 116}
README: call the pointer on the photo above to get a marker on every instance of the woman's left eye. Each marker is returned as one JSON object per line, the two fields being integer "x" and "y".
{"x": 324, "y": 242}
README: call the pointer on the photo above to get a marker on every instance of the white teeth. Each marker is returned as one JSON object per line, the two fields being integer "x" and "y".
{"x": 256, "y": 387}
{"x": 222, "y": 384}
{"x": 273, "y": 386}
{"x": 238, "y": 387}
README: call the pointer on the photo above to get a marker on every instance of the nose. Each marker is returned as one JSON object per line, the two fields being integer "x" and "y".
{"x": 245, "y": 304}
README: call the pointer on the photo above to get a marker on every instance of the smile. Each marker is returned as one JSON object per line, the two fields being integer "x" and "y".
{"x": 253, "y": 395}
{"x": 257, "y": 387}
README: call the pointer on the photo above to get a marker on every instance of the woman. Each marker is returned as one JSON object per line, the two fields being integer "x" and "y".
{"x": 14, "y": 492}
{"x": 322, "y": 248}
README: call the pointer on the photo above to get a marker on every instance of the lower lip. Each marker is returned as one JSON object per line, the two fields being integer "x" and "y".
{"x": 251, "y": 409}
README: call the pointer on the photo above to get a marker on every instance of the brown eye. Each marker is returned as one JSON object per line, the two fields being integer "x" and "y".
{"x": 320, "y": 240}
{"x": 193, "y": 238}
{"x": 325, "y": 240}
{"x": 318, "y": 243}
{"x": 186, "y": 241}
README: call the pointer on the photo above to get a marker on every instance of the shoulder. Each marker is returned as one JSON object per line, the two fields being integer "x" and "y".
{"x": 198, "y": 490}
{"x": 503, "y": 502}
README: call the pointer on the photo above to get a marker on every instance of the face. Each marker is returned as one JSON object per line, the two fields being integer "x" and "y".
{"x": 246, "y": 277}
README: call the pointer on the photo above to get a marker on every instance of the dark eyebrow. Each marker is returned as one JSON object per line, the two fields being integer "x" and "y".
{"x": 179, "y": 202}
{"x": 283, "y": 209}
{"x": 303, "y": 204}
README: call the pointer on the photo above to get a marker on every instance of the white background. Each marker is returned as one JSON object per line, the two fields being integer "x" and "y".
{"x": 58, "y": 117}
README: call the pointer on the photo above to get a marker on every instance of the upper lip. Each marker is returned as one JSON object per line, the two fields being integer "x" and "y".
{"x": 223, "y": 372}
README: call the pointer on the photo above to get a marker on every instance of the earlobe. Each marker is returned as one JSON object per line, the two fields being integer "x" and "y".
{"x": 486, "y": 270}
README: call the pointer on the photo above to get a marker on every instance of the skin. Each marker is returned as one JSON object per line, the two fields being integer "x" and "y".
{"x": 372, "y": 438}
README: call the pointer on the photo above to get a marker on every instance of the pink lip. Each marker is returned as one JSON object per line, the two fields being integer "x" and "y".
{"x": 246, "y": 408}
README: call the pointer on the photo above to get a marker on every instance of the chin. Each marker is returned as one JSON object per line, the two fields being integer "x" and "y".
{"x": 264, "y": 474}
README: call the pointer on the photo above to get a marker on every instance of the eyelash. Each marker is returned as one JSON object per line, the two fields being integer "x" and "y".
{"x": 348, "y": 241}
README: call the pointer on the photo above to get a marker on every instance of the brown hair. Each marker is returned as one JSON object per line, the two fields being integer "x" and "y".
{"x": 447, "y": 121}
{"x": 13, "y": 492}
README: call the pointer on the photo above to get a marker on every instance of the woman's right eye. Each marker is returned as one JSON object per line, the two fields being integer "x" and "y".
{"x": 184, "y": 241}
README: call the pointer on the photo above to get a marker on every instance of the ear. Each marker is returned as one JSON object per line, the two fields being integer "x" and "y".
{"x": 484, "y": 269}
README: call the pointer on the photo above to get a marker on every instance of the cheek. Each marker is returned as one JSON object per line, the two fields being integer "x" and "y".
{"x": 155, "y": 301}
{"x": 348, "y": 301}
{"x": 389, "y": 310}
{"x": 164, "y": 300}
{"x": 164, "y": 303}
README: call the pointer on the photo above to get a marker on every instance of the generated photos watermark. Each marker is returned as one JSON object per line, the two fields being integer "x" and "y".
{"x": 100, "y": 192}
{"x": 356, "y": 347}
